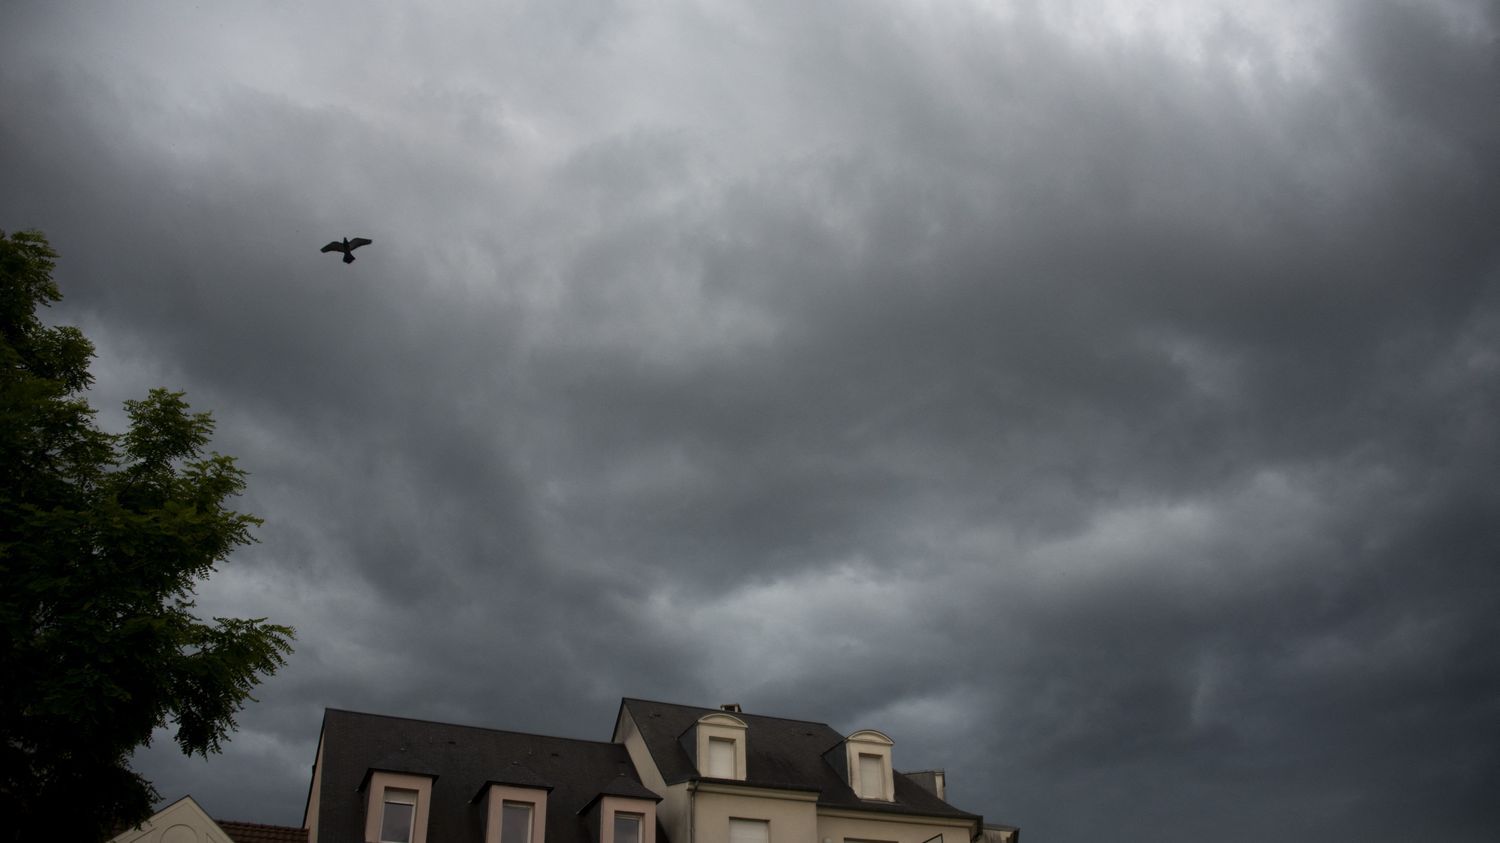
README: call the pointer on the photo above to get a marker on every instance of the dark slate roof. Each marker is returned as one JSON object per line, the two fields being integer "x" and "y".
{"x": 461, "y": 760}
{"x": 780, "y": 753}
{"x": 257, "y": 833}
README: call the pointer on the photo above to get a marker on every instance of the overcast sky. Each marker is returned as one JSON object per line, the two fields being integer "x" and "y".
{"x": 1100, "y": 398}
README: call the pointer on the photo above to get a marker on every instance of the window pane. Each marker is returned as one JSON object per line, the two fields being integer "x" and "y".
{"x": 871, "y": 777}
{"x": 395, "y": 825}
{"x": 515, "y": 823}
{"x": 749, "y": 831}
{"x": 720, "y": 758}
{"x": 627, "y": 828}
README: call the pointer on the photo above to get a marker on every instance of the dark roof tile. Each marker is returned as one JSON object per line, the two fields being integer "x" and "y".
{"x": 780, "y": 753}
{"x": 463, "y": 759}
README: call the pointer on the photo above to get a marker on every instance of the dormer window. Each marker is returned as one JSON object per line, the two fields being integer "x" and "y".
{"x": 625, "y": 813}
{"x": 515, "y": 822}
{"x": 396, "y": 806}
{"x": 718, "y": 742}
{"x": 627, "y": 828}
{"x": 513, "y": 813}
{"x": 871, "y": 776}
{"x": 869, "y": 765}
{"x": 721, "y": 758}
{"x": 398, "y": 815}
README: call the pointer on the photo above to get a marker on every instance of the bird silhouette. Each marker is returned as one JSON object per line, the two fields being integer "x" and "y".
{"x": 347, "y": 247}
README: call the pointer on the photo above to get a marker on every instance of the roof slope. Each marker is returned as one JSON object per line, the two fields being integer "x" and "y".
{"x": 258, "y": 833}
{"x": 463, "y": 759}
{"x": 780, "y": 753}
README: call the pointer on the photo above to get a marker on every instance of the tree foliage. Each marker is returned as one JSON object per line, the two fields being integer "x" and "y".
{"x": 103, "y": 538}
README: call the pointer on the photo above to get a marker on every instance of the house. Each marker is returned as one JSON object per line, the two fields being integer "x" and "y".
{"x": 185, "y": 821}
{"x": 670, "y": 774}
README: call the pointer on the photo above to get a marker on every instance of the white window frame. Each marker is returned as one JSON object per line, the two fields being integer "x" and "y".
{"x": 508, "y": 804}
{"x": 640, "y": 826}
{"x": 644, "y": 810}
{"x": 871, "y": 776}
{"x": 379, "y": 786}
{"x": 398, "y": 796}
{"x": 749, "y": 822}
{"x": 720, "y": 767}
{"x": 500, "y": 795}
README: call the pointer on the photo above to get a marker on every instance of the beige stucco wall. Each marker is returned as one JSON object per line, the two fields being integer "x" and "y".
{"x": 672, "y": 811}
{"x": 793, "y": 819}
{"x": 700, "y": 813}
{"x": 314, "y": 796}
{"x": 181, "y": 822}
{"x": 837, "y": 828}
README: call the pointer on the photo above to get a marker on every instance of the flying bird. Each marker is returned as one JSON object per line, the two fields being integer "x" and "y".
{"x": 347, "y": 247}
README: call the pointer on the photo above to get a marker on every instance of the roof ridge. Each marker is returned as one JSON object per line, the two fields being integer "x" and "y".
{"x": 470, "y": 726}
{"x": 259, "y": 825}
{"x": 722, "y": 711}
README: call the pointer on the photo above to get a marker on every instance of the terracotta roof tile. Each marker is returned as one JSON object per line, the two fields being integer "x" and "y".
{"x": 257, "y": 833}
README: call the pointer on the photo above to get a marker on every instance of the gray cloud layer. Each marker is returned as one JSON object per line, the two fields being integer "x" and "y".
{"x": 1098, "y": 398}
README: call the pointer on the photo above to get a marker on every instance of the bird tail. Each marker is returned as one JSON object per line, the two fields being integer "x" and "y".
{"x": 348, "y": 257}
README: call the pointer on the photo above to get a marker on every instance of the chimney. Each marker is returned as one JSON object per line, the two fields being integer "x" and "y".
{"x": 734, "y": 707}
{"x": 932, "y": 781}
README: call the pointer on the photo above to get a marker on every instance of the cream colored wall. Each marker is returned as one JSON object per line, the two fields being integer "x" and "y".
{"x": 181, "y": 822}
{"x": 314, "y": 796}
{"x": 672, "y": 811}
{"x": 792, "y": 821}
{"x": 837, "y": 829}
{"x": 702, "y": 815}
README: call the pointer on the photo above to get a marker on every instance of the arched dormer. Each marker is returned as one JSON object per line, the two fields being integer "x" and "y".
{"x": 869, "y": 765}
{"x": 717, "y": 741}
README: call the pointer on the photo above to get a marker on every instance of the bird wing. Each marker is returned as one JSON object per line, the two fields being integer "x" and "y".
{"x": 356, "y": 242}
{"x": 335, "y": 246}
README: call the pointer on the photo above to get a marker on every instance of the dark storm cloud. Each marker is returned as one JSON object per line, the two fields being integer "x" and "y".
{"x": 1117, "y": 380}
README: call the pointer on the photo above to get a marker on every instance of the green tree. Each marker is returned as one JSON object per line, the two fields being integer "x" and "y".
{"x": 103, "y": 538}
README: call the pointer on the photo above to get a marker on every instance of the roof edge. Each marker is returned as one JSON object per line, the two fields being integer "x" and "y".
{"x": 428, "y": 722}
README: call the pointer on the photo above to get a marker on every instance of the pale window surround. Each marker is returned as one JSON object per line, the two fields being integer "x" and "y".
{"x": 397, "y": 815}
{"x": 627, "y": 827}
{"x": 721, "y": 746}
{"x": 869, "y": 765}
{"x": 507, "y": 807}
{"x": 515, "y": 822}
{"x": 624, "y": 820}
{"x": 721, "y": 758}
{"x": 871, "y": 776}
{"x": 396, "y": 807}
{"x": 749, "y": 831}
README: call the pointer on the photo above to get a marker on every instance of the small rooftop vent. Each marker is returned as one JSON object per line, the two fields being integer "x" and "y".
{"x": 734, "y": 707}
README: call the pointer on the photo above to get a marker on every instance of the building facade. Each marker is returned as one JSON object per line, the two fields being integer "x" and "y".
{"x": 671, "y": 774}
